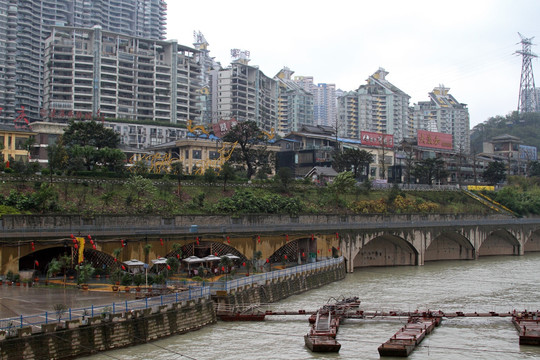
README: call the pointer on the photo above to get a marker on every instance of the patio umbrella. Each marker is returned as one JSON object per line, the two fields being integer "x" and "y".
{"x": 211, "y": 258}
{"x": 159, "y": 261}
{"x": 192, "y": 260}
{"x": 231, "y": 256}
{"x": 134, "y": 265}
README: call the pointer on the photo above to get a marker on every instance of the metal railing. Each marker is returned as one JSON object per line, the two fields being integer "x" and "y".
{"x": 192, "y": 292}
{"x": 36, "y": 320}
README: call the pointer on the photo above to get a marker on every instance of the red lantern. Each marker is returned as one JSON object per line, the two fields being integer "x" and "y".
{"x": 115, "y": 259}
{"x": 72, "y": 236}
{"x": 178, "y": 256}
{"x": 33, "y": 248}
{"x": 303, "y": 254}
{"x": 123, "y": 268}
{"x": 74, "y": 241}
{"x": 223, "y": 268}
{"x": 338, "y": 247}
{"x": 329, "y": 250}
{"x": 89, "y": 237}
{"x": 337, "y": 235}
{"x": 168, "y": 267}
{"x": 244, "y": 263}
{"x": 228, "y": 240}
{"x": 312, "y": 237}
{"x": 215, "y": 254}
{"x": 285, "y": 256}
{"x": 259, "y": 238}
{"x": 122, "y": 243}
{"x": 76, "y": 246}
{"x": 91, "y": 241}
{"x": 197, "y": 240}
{"x": 286, "y": 237}
{"x": 267, "y": 260}
{"x": 161, "y": 241}
{"x": 94, "y": 246}
{"x": 37, "y": 263}
{"x": 318, "y": 251}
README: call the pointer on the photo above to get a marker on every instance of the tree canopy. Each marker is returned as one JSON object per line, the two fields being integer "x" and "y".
{"x": 355, "y": 160}
{"x": 428, "y": 170}
{"x": 85, "y": 146}
{"x": 252, "y": 152}
{"x": 495, "y": 172}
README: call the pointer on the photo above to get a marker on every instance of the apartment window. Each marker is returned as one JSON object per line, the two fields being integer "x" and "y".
{"x": 187, "y": 154}
{"x": 213, "y": 155}
{"x": 197, "y": 154}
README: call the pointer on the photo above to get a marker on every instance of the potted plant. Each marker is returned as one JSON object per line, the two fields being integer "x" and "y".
{"x": 85, "y": 272}
{"x": 17, "y": 279}
{"x": 126, "y": 281}
{"x": 115, "y": 278}
{"x": 9, "y": 277}
{"x": 138, "y": 280}
{"x": 54, "y": 267}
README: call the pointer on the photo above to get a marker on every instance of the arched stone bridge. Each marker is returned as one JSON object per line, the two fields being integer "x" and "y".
{"x": 374, "y": 240}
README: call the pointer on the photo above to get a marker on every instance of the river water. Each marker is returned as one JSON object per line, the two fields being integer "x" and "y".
{"x": 489, "y": 284}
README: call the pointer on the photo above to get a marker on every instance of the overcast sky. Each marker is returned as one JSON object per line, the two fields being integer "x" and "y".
{"x": 468, "y": 46}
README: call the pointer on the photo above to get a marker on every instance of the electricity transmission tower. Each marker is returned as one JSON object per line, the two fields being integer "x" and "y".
{"x": 528, "y": 101}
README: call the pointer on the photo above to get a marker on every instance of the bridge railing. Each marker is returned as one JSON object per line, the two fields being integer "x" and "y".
{"x": 261, "y": 279}
{"x": 191, "y": 293}
{"x": 36, "y": 320}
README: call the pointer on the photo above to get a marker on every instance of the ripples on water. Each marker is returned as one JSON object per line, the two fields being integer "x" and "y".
{"x": 490, "y": 284}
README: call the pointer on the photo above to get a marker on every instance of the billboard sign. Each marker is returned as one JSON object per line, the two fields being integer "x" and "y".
{"x": 376, "y": 139}
{"x": 223, "y": 126}
{"x": 528, "y": 153}
{"x": 434, "y": 140}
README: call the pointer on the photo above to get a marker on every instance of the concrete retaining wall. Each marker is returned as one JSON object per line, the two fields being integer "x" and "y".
{"x": 100, "y": 334}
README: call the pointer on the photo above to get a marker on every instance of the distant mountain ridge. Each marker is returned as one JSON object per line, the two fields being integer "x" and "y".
{"x": 525, "y": 126}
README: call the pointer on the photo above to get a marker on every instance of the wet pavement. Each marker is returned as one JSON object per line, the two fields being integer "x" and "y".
{"x": 23, "y": 300}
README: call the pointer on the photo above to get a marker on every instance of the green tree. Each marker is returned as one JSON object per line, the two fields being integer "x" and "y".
{"x": 495, "y": 173}
{"x": 112, "y": 159}
{"x": 354, "y": 160}
{"x": 210, "y": 176}
{"x": 248, "y": 135}
{"x": 429, "y": 170}
{"x": 226, "y": 173}
{"x": 140, "y": 187}
{"x": 284, "y": 175}
{"x": 342, "y": 184}
{"x": 90, "y": 133}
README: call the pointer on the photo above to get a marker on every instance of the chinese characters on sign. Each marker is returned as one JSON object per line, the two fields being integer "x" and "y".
{"x": 434, "y": 140}
{"x": 376, "y": 139}
{"x": 223, "y": 126}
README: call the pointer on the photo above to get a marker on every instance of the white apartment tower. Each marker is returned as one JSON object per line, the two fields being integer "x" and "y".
{"x": 379, "y": 106}
{"x": 324, "y": 100}
{"x": 443, "y": 113}
{"x": 295, "y": 105}
{"x": 243, "y": 92}
{"x": 26, "y": 24}
{"x": 91, "y": 72}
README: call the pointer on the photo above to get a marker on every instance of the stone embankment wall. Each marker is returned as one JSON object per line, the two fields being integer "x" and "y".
{"x": 280, "y": 289}
{"x": 75, "y": 338}
{"x": 106, "y": 333}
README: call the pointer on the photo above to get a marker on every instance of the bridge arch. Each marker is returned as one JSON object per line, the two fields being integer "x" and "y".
{"x": 386, "y": 250}
{"x": 449, "y": 245}
{"x": 499, "y": 242}
{"x": 532, "y": 244}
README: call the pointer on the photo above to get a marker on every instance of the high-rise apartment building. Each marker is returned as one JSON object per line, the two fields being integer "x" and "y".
{"x": 443, "y": 113}
{"x": 378, "y": 106}
{"x": 295, "y": 105}
{"x": 26, "y": 24}
{"x": 91, "y": 72}
{"x": 208, "y": 64}
{"x": 245, "y": 93}
{"x": 324, "y": 100}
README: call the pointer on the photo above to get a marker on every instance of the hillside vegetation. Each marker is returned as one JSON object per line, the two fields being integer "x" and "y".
{"x": 525, "y": 126}
{"x": 139, "y": 195}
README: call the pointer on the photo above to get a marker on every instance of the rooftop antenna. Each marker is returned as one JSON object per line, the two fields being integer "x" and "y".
{"x": 528, "y": 101}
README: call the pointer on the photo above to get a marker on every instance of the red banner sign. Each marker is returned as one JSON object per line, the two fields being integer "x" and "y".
{"x": 434, "y": 140}
{"x": 223, "y": 126}
{"x": 376, "y": 139}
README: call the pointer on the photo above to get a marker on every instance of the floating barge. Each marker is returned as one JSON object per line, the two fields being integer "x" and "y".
{"x": 527, "y": 324}
{"x": 403, "y": 343}
{"x": 322, "y": 335}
